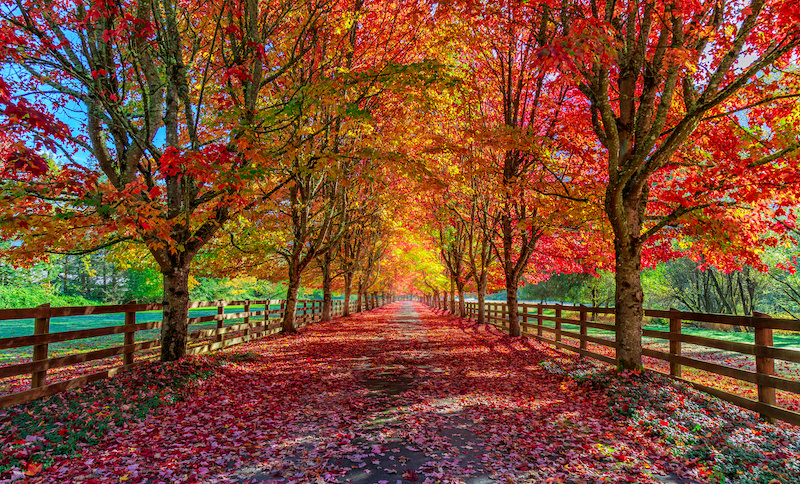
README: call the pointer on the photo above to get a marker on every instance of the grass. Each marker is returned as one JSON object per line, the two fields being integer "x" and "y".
{"x": 782, "y": 339}
{"x": 24, "y": 327}
{"x": 11, "y": 328}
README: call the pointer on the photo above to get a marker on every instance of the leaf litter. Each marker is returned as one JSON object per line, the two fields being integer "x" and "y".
{"x": 467, "y": 404}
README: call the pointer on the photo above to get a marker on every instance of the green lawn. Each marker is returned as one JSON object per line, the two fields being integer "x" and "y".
{"x": 23, "y": 327}
{"x": 782, "y": 340}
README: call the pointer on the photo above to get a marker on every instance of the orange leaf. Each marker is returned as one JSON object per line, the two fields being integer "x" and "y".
{"x": 33, "y": 469}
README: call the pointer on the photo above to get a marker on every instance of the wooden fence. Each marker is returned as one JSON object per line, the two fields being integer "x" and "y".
{"x": 253, "y": 325}
{"x": 546, "y": 323}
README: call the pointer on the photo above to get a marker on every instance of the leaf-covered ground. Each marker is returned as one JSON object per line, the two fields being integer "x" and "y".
{"x": 382, "y": 397}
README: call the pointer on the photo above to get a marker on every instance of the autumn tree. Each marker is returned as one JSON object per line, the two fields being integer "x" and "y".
{"x": 524, "y": 131}
{"x": 453, "y": 245}
{"x": 480, "y": 220}
{"x": 691, "y": 103}
{"x": 174, "y": 104}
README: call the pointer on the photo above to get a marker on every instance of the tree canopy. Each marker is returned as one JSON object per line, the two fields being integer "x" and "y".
{"x": 402, "y": 147}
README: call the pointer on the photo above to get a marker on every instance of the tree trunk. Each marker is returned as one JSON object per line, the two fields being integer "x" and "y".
{"x": 452, "y": 296}
{"x": 462, "y": 309}
{"x": 482, "y": 282}
{"x": 287, "y": 324}
{"x": 348, "y": 287}
{"x": 175, "y": 325}
{"x": 628, "y": 299}
{"x": 327, "y": 298}
{"x": 358, "y": 302}
{"x": 66, "y": 275}
{"x": 513, "y": 311}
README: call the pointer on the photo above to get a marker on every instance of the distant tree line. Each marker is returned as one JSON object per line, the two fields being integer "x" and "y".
{"x": 681, "y": 284}
{"x": 96, "y": 279}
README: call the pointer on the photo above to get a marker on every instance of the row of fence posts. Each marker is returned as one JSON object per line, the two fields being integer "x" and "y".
{"x": 763, "y": 338}
{"x": 42, "y": 326}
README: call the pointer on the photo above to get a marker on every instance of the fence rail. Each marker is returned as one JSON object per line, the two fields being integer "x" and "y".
{"x": 253, "y": 325}
{"x": 534, "y": 319}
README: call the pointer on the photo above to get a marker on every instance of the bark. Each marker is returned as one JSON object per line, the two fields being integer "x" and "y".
{"x": 327, "y": 298}
{"x": 175, "y": 326}
{"x": 513, "y": 310}
{"x": 462, "y": 310}
{"x": 628, "y": 299}
{"x": 482, "y": 283}
{"x": 452, "y": 296}
{"x": 348, "y": 288}
{"x": 358, "y": 302}
{"x": 287, "y": 324}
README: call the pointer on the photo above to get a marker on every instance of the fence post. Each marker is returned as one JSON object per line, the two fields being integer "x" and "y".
{"x": 247, "y": 321}
{"x": 584, "y": 329}
{"x": 764, "y": 365}
{"x": 283, "y": 309}
{"x": 558, "y": 322}
{"x": 503, "y": 315}
{"x": 539, "y": 319}
{"x": 41, "y": 326}
{"x": 220, "y": 323}
{"x": 524, "y": 317}
{"x": 675, "y": 325}
{"x": 130, "y": 337}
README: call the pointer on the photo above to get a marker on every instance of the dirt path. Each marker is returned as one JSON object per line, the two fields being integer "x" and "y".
{"x": 397, "y": 394}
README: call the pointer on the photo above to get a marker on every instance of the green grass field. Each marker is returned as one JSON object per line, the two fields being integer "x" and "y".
{"x": 782, "y": 339}
{"x": 23, "y": 327}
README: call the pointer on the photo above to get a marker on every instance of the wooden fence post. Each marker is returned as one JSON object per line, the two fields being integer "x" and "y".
{"x": 539, "y": 319}
{"x": 558, "y": 322}
{"x": 283, "y": 309}
{"x": 524, "y": 317}
{"x": 220, "y": 322}
{"x": 675, "y": 328}
{"x": 584, "y": 329}
{"x": 41, "y": 326}
{"x": 764, "y": 365}
{"x": 247, "y": 320}
{"x": 503, "y": 315}
{"x": 130, "y": 338}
